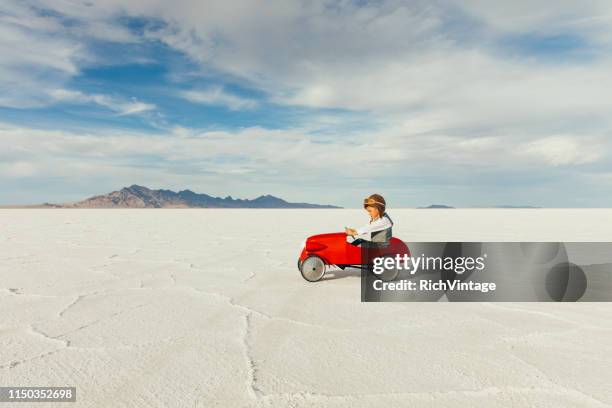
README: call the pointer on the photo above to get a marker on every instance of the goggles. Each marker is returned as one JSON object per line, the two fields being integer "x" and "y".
{"x": 371, "y": 201}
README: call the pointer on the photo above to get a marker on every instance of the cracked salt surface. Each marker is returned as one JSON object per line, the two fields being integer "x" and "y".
{"x": 150, "y": 308}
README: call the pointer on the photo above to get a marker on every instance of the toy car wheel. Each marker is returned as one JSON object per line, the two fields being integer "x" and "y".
{"x": 389, "y": 275}
{"x": 313, "y": 268}
{"x": 299, "y": 265}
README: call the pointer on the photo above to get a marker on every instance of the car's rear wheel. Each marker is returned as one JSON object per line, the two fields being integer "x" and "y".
{"x": 389, "y": 274}
{"x": 313, "y": 268}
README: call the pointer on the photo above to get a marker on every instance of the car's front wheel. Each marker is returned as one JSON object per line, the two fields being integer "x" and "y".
{"x": 313, "y": 268}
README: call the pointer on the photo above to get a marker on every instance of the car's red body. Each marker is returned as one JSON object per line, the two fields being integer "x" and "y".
{"x": 334, "y": 249}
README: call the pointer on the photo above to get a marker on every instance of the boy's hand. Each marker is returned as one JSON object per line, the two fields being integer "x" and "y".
{"x": 350, "y": 231}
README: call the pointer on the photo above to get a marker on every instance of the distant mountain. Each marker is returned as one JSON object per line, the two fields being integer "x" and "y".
{"x": 438, "y": 206}
{"x": 142, "y": 197}
{"x": 516, "y": 206}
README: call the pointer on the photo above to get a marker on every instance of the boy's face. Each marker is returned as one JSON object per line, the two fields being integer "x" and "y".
{"x": 372, "y": 211}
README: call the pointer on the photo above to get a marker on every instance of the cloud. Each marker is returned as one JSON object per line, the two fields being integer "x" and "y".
{"x": 459, "y": 93}
{"x": 390, "y": 58}
{"x": 20, "y": 169}
{"x": 251, "y": 161}
{"x": 21, "y": 26}
{"x": 217, "y": 96}
{"x": 40, "y": 52}
{"x": 31, "y": 56}
{"x": 405, "y": 62}
{"x": 122, "y": 107}
{"x": 590, "y": 19}
{"x": 564, "y": 150}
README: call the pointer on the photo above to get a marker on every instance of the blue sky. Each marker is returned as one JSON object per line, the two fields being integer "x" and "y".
{"x": 466, "y": 103}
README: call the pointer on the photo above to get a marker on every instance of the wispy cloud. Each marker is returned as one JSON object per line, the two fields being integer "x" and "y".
{"x": 217, "y": 96}
{"x": 122, "y": 107}
{"x": 40, "y": 52}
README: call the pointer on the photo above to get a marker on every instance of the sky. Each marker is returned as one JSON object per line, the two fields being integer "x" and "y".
{"x": 464, "y": 103}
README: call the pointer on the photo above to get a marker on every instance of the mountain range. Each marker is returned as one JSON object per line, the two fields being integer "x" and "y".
{"x": 137, "y": 196}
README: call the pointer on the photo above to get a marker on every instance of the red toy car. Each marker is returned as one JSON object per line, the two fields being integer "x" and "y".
{"x": 324, "y": 250}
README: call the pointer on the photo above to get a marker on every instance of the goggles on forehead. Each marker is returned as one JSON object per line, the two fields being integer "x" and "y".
{"x": 371, "y": 201}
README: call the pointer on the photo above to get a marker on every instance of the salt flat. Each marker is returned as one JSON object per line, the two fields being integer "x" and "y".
{"x": 155, "y": 308}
